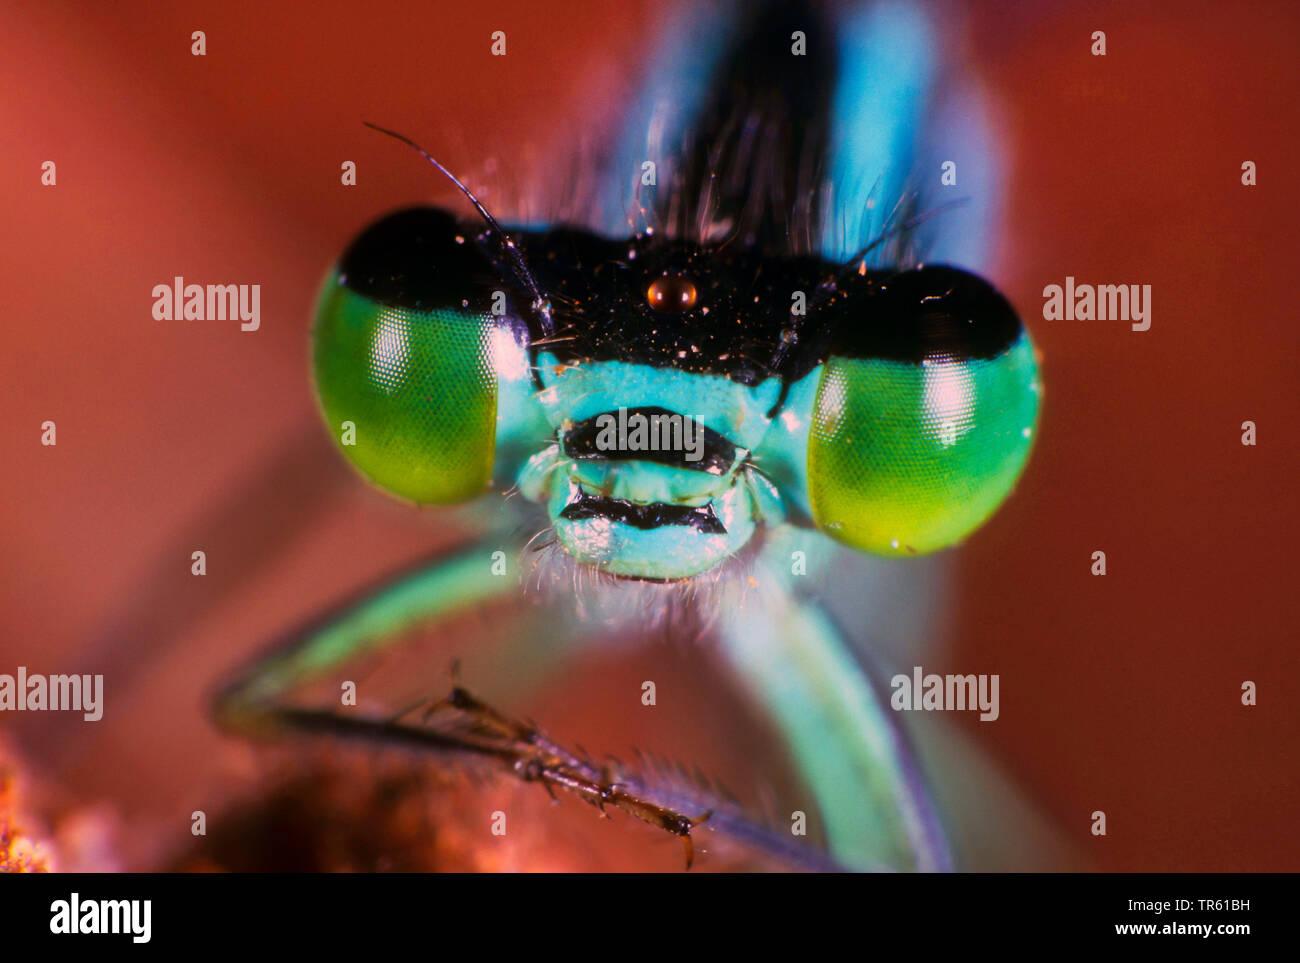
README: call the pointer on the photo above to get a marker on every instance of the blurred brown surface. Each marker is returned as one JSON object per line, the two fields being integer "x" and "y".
{"x": 1119, "y": 693}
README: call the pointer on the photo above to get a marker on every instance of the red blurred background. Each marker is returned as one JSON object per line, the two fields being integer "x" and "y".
{"x": 1120, "y": 693}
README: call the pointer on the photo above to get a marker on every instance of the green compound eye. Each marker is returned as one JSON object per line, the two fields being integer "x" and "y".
{"x": 400, "y": 352}
{"x": 418, "y": 389}
{"x": 924, "y": 415}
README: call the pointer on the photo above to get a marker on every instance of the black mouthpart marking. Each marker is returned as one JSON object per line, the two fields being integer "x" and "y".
{"x": 717, "y": 454}
{"x": 644, "y": 517}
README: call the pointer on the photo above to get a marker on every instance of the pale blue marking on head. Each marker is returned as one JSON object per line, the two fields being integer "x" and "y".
{"x": 783, "y": 452}
{"x": 583, "y": 391}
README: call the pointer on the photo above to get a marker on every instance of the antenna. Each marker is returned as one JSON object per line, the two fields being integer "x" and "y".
{"x": 854, "y": 262}
{"x": 540, "y": 304}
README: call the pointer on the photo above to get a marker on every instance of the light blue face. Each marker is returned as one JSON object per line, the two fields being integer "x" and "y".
{"x": 669, "y": 519}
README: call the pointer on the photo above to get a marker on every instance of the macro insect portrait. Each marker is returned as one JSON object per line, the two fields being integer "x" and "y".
{"x": 785, "y": 435}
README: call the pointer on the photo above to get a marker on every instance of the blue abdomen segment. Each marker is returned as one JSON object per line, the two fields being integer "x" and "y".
{"x": 873, "y": 116}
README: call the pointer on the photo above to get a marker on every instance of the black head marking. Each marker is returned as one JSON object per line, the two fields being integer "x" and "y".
{"x": 928, "y": 313}
{"x": 739, "y": 325}
{"x": 420, "y": 258}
